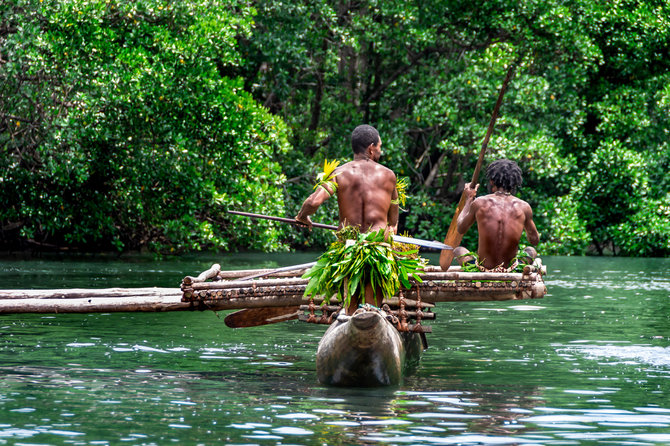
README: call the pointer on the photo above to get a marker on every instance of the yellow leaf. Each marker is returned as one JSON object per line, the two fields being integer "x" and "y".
{"x": 329, "y": 167}
{"x": 328, "y": 175}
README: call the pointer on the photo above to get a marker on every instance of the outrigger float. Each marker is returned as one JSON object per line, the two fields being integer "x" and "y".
{"x": 373, "y": 346}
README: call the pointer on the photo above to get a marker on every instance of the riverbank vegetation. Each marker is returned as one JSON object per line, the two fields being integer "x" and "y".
{"x": 133, "y": 125}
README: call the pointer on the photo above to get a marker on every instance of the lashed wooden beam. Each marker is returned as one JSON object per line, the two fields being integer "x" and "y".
{"x": 450, "y": 286}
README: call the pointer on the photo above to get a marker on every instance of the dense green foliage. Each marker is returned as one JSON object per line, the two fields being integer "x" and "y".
{"x": 120, "y": 128}
{"x": 586, "y": 115}
{"x": 132, "y": 124}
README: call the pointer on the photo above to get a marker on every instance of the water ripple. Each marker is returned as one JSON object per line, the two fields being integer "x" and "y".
{"x": 624, "y": 354}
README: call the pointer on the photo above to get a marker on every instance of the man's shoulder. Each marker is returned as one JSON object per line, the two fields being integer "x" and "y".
{"x": 366, "y": 166}
{"x": 501, "y": 197}
{"x": 386, "y": 170}
{"x": 520, "y": 202}
{"x": 380, "y": 168}
{"x": 485, "y": 199}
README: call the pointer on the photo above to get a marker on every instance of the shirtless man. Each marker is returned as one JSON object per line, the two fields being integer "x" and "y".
{"x": 365, "y": 188}
{"x": 501, "y": 218}
{"x": 366, "y": 192}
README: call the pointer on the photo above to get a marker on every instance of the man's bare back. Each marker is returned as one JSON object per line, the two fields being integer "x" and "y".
{"x": 366, "y": 197}
{"x": 501, "y": 219}
{"x": 366, "y": 193}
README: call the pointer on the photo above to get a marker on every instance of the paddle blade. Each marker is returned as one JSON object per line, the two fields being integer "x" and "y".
{"x": 419, "y": 242}
{"x": 254, "y": 317}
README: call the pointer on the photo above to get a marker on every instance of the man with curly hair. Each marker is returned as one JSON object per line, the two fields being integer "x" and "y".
{"x": 501, "y": 219}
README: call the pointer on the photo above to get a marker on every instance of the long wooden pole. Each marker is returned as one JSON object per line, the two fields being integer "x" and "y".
{"x": 431, "y": 244}
{"x": 453, "y": 237}
{"x": 281, "y": 219}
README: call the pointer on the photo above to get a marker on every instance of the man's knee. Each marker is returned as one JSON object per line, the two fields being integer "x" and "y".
{"x": 461, "y": 255}
{"x": 529, "y": 255}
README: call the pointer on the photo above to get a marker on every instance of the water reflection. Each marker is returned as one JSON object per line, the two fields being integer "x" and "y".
{"x": 589, "y": 364}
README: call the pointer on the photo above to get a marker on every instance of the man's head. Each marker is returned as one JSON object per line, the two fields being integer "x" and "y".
{"x": 363, "y": 136}
{"x": 505, "y": 175}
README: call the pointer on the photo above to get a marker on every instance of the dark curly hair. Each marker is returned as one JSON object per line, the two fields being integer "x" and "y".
{"x": 505, "y": 175}
{"x": 362, "y": 137}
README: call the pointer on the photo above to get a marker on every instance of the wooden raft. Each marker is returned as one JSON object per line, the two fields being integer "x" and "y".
{"x": 224, "y": 289}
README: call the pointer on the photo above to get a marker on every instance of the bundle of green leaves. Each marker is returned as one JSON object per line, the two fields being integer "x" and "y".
{"x": 356, "y": 259}
{"x": 519, "y": 261}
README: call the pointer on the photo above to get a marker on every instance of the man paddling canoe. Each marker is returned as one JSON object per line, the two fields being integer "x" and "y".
{"x": 367, "y": 199}
{"x": 501, "y": 219}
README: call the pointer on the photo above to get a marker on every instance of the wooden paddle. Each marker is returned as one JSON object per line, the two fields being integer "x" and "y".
{"x": 254, "y": 317}
{"x": 454, "y": 237}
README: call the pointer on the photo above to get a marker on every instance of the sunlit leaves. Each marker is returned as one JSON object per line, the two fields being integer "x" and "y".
{"x": 148, "y": 125}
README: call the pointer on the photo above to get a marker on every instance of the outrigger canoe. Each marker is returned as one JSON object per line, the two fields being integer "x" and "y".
{"x": 374, "y": 346}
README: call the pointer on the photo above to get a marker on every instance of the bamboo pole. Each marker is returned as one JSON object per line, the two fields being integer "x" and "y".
{"x": 296, "y": 280}
{"x": 270, "y": 272}
{"x": 94, "y": 305}
{"x": 224, "y": 285}
{"x": 91, "y": 293}
{"x": 431, "y": 272}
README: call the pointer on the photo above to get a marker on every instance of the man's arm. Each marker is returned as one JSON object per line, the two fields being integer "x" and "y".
{"x": 312, "y": 203}
{"x": 467, "y": 216}
{"x": 531, "y": 231}
{"x": 392, "y": 218}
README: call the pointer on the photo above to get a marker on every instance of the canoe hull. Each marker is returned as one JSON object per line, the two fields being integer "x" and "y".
{"x": 364, "y": 350}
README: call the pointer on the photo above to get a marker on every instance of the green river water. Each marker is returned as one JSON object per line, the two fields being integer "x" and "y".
{"x": 588, "y": 364}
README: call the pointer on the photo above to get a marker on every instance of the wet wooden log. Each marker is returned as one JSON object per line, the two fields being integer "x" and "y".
{"x": 211, "y": 273}
{"x": 112, "y": 300}
{"x": 197, "y": 293}
{"x": 90, "y": 293}
{"x": 91, "y": 300}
